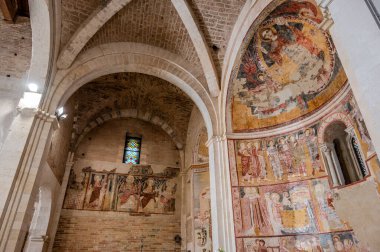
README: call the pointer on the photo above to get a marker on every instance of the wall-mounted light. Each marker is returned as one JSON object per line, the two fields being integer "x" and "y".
{"x": 60, "y": 114}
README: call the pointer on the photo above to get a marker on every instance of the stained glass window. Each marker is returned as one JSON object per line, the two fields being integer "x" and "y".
{"x": 132, "y": 150}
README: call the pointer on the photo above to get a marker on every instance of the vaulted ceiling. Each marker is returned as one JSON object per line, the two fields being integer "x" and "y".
{"x": 114, "y": 93}
{"x": 157, "y": 23}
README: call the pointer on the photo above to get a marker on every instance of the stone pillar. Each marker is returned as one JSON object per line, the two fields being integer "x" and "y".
{"x": 60, "y": 199}
{"x": 41, "y": 217}
{"x": 330, "y": 164}
{"x": 356, "y": 36}
{"x": 220, "y": 192}
{"x": 22, "y": 156}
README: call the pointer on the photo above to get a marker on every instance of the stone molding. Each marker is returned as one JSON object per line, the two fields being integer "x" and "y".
{"x": 131, "y": 113}
{"x": 87, "y": 30}
{"x": 185, "y": 12}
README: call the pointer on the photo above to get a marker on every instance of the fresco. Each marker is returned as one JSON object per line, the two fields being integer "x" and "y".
{"x": 286, "y": 209}
{"x": 202, "y": 211}
{"x": 138, "y": 191}
{"x": 288, "y": 68}
{"x": 282, "y": 196}
{"x": 342, "y": 242}
{"x": 288, "y": 157}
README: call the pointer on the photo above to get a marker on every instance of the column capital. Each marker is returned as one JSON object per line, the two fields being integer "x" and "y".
{"x": 218, "y": 138}
{"x": 325, "y": 147}
{"x": 350, "y": 131}
{"x": 47, "y": 117}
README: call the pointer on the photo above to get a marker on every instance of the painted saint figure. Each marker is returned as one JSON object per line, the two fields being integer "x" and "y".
{"x": 255, "y": 214}
{"x": 274, "y": 160}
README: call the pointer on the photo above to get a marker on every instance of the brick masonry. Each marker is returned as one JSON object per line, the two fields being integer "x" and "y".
{"x": 115, "y": 231}
{"x": 15, "y": 47}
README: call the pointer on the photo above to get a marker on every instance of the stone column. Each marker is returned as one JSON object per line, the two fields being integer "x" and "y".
{"x": 22, "y": 154}
{"x": 330, "y": 164}
{"x": 60, "y": 199}
{"x": 356, "y": 36}
{"x": 220, "y": 192}
{"x": 40, "y": 222}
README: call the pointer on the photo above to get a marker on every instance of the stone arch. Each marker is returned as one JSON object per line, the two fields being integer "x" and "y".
{"x": 330, "y": 119}
{"x": 250, "y": 12}
{"x": 130, "y": 113}
{"x": 42, "y": 42}
{"x": 133, "y": 57}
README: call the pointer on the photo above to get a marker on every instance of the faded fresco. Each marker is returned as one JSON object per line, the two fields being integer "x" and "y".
{"x": 282, "y": 196}
{"x": 288, "y": 69}
{"x": 138, "y": 191}
{"x": 339, "y": 242}
{"x": 286, "y": 158}
{"x": 286, "y": 209}
{"x": 202, "y": 211}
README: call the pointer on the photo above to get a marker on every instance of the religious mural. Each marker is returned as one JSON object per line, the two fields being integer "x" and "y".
{"x": 303, "y": 207}
{"x": 282, "y": 196}
{"x": 285, "y": 158}
{"x": 288, "y": 68}
{"x": 138, "y": 191}
{"x": 202, "y": 211}
{"x": 339, "y": 242}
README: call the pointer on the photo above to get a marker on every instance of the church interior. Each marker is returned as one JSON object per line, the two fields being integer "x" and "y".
{"x": 189, "y": 125}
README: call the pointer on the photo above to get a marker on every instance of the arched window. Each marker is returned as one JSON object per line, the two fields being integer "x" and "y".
{"x": 342, "y": 154}
{"x": 132, "y": 150}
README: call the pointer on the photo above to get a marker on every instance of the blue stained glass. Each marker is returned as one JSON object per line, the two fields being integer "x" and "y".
{"x": 132, "y": 150}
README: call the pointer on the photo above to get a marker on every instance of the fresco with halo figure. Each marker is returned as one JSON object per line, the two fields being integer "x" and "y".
{"x": 138, "y": 191}
{"x": 288, "y": 68}
{"x": 285, "y": 209}
{"x": 288, "y": 157}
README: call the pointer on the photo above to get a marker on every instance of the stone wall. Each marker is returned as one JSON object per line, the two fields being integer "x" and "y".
{"x": 94, "y": 230}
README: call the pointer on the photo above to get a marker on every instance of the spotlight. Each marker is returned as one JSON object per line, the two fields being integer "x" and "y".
{"x": 60, "y": 114}
{"x": 59, "y": 111}
{"x": 32, "y": 87}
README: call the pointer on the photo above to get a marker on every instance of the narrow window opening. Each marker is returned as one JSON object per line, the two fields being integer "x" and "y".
{"x": 342, "y": 162}
{"x": 132, "y": 150}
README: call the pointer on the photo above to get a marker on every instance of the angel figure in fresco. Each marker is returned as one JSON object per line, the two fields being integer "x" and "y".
{"x": 286, "y": 156}
{"x": 255, "y": 215}
{"x": 128, "y": 194}
{"x": 274, "y": 160}
{"x": 148, "y": 195}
